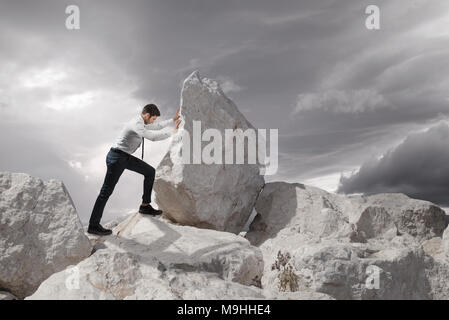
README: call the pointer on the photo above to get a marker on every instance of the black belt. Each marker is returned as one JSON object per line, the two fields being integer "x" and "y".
{"x": 120, "y": 151}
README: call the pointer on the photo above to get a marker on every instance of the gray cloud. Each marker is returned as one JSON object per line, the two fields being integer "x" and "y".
{"x": 354, "y": 101}
{"x": 418, "y": 167}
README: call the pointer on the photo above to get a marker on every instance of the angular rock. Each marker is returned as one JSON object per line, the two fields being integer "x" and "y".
{"x": 4, "y": 295}
{"x": 329, "y": 243}
{"x": 297, "y": 211}
{"x": 214, "y": 196}
{"x": 40, "y": 232}
{"x": 232, "y": 257}
{"x": 377, "y": 214}
{"x": 113, "y": 275}
{"x": 148, "y": 258}
{"x": 344, "y": 270}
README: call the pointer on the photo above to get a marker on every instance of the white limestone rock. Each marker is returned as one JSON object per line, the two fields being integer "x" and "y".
{"x": 214, "y": 196}
{"x": 298, "y": 210}
{"x": 298, "y": 295}
{"x": 342, "y": 270}
{"x": 377, "y": 214}
{"x": 229, "y": 255}
{"x": 331, "y": 243}
{"x": 40, "y": 232}
{"x": 113, "y": 275}
{"x": 148, "y": 258}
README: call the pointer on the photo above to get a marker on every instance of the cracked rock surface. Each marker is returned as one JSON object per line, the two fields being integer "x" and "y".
{"x": 40, "y": 232}
{"x": 383, "y": 246}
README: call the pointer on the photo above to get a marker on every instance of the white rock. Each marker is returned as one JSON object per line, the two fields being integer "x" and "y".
{"x": 111, "y": 224}
{"x": 4, "y": 295}
{"x": 40, "y": 232}
{"x": 335, "y": 241}
{"x": 229, "y": 255}
{"x": 434, "y": 247}
{"x": 379, "y": 213}
{"x": 437, "y": 275}
{"x": 299, "y": 211}
{"x": 303, "y": 211}
{"x": 215, "y": 196}
{"x": 445, "y": 242}
{"x": 148, "y": 258}
{"x": 346, "y": 271}
{"x": 298, "y": 295}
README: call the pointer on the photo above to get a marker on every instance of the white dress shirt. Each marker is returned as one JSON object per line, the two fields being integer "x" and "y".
{"x": 133, "y": 131}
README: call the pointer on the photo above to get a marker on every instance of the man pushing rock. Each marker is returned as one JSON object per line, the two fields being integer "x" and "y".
{"x": 120, "y": 158}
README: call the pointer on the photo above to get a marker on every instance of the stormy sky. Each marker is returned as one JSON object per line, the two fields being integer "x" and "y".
{"x": 343, "y": 97}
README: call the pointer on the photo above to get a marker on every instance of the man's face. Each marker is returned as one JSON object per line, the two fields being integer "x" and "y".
{"x": 148, "y": 118}
{"x": 152, "y": 119}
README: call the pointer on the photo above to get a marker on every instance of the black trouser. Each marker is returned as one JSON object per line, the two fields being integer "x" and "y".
{"x": 117, "y": 162}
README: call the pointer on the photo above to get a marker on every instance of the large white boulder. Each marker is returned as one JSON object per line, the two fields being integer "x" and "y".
{"x": 214, "y": 196}
{"x": 349, "y": 271}
{"x": 298, "y": 210}
{"x": 375, "y": 215}
{"x": 341, "y": 245}
{"x": 149, "y": 258}
{"x": 40, "y": 232}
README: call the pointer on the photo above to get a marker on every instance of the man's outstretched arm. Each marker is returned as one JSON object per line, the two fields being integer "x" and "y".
{"x": 164, "y": 123}
{"x": 155, "y": 135}
{"x": 159, "y": 125}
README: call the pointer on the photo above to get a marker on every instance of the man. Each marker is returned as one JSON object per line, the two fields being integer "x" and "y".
{"x": 120, "y": 158}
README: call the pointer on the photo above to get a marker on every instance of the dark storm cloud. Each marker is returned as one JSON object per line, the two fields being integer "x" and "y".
{"x": 418, "y": 167}
{"x": 338, "y": 93}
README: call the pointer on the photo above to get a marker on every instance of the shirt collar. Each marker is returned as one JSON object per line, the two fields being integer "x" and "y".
{"x": 140, "y": 120}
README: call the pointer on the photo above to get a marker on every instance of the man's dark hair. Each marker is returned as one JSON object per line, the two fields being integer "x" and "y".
{"x": 151, "y": 109}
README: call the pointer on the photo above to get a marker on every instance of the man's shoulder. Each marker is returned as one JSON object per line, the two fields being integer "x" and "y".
{"x": 137, "y": 120}
{"x": 133, "y": 124}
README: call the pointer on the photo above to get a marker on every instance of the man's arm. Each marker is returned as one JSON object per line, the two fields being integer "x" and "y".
{"x": 159, "y": 125}
{"x": 162, "y": 124}
{"x": 155, "y": 135}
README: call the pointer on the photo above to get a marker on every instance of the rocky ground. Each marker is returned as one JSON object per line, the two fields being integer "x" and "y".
{"x": 385, "y": 246}
{"x": 304, "y": 242}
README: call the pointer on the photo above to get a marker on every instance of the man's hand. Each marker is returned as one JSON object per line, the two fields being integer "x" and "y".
{"x": 177, "y": 114}
{"x": 177, "y": 125}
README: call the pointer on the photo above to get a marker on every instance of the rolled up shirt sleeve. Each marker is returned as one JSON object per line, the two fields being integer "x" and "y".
{"x": 159, "y": 125}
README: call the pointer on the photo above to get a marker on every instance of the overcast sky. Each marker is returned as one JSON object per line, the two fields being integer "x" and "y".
{"x": 341, "y": 95}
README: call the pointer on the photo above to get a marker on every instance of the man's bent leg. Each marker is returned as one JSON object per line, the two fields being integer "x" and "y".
{"x": 115, "y": 170}
{"x": 140, "y": 166}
